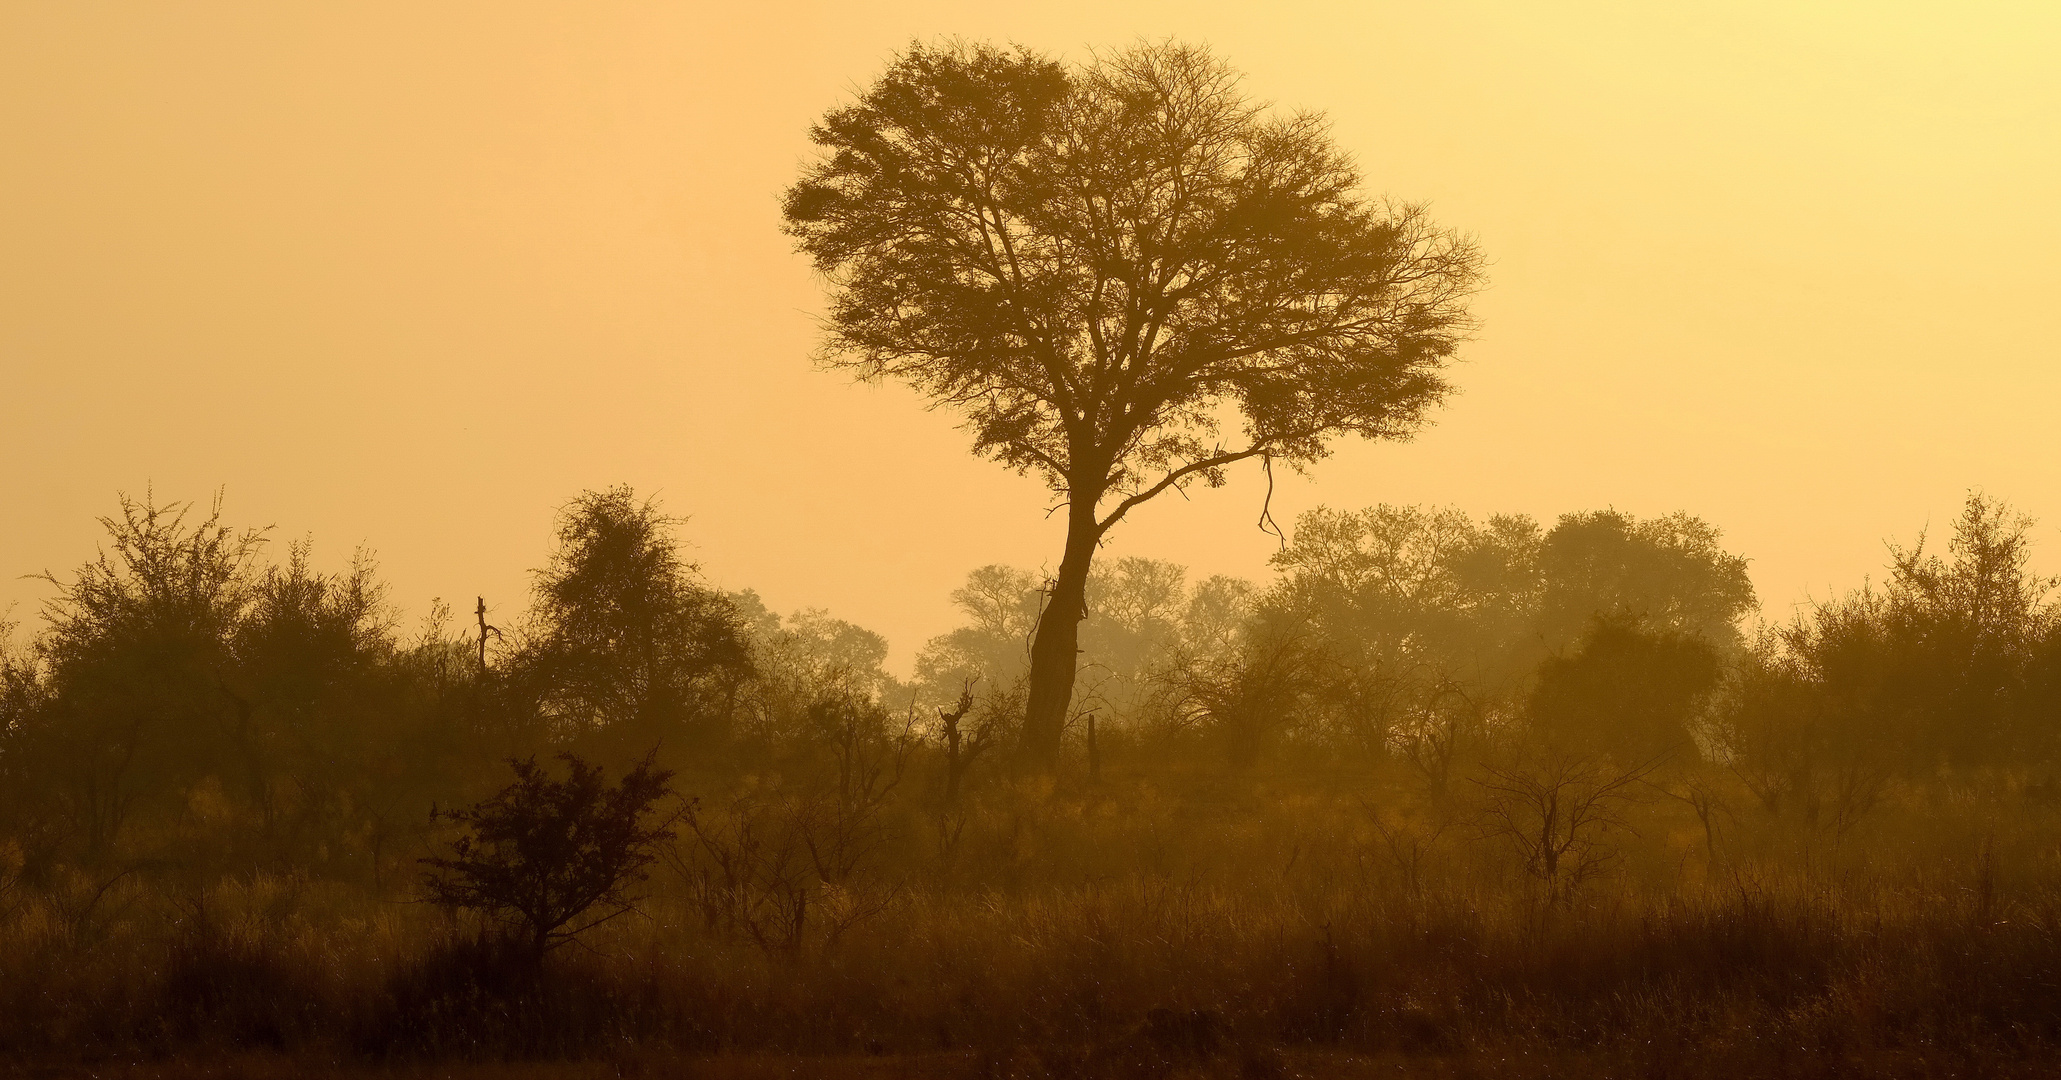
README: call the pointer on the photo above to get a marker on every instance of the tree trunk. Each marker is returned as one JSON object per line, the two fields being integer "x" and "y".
{"x": 1055, "y": 652}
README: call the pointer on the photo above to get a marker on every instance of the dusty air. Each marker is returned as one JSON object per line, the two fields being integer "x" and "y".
{"x": 1096, "y": 542}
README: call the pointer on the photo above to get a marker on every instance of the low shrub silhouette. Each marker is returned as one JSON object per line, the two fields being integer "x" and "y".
{"x": 552, "y": 859}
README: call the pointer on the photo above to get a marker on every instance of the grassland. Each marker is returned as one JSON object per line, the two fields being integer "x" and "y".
{"x": 1251, "y": 926}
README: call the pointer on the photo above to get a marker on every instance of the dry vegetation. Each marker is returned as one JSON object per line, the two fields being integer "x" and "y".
{"x": 1256, "y": 925}
{"x": 1641, "y": 853}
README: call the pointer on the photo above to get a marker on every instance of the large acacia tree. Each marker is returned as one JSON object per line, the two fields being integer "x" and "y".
{"x": 1126, "y": 275}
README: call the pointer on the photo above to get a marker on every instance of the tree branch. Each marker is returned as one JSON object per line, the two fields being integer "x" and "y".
{"x": 1176, "y": 476}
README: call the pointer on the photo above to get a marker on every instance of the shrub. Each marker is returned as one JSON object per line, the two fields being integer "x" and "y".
{"x": 550, "y": 858}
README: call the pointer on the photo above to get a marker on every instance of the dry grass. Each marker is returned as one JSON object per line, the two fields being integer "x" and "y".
{"x": 1247, "y": 931}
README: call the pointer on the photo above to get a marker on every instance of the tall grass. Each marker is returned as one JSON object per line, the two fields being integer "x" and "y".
{"x": 1250, "y": 929}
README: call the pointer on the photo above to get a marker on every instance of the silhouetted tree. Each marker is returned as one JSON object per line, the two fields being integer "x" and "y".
{"x": 1247, "y": 701}
{"x": 28, "y": 815}
{"x": 1557, "y": 808}
{"x": 1944, "y": 667}
{"x": 1627, "y": 691}
{"x": 136, "y": 647}
{"x": 554, "y": 858}
{"x": 797, "y": 659}
{"x": 1667, "y": 571}
{"x": 1000, "y": 607}
{"x": 1967, "y": 629}
{"x": 1435, "y": 626}
{"x": 310, "y": 696}
{"x": 1414, "y": 600}
{"x": 625, "y": 648}
{"x": 1096, "y": 264}
{"x": 1811, "y": 719}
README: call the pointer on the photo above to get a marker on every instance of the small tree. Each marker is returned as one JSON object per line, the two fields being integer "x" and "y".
{"x": 134, "y": 652}
{"x": 626, "y": 647}
{"x": 1556, "y": 809}
{"x": 554, "y": 858}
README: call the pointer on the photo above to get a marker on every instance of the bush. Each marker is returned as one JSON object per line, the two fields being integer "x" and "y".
{"x": 551, "y": 859}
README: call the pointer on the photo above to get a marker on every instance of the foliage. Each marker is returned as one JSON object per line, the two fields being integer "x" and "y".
{"x": 1144, "y": 619}
{"x": 1094, "y": 265}
{"x": 1417, "y": 589}
{"x": 1000, "y": 606}
{"x": 1628, "y": 691}
{"x": 1269, "y": 847}
{"x": 1043, "y": 246}
{"x": 1250, "y": 699}
{"x": 186, "y": 704}
{"x": 555, "y": 858}
{"x": 797, "y": 658}
{"x": 1947, "y": 667}
{"x": 135, "y": 651}
{"x": 787, "y": 857}
{"x": 624, "y": 648}
{"x": 1667, "y": 572}
{"x": 1408, "y": 588}
{"x": 1430, "y": 631}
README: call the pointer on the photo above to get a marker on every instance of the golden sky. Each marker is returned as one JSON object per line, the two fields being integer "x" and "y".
{"x": 412, "y": 274}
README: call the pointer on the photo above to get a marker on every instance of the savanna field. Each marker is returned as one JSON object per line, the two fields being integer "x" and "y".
{"x": 1295, "y": 843}
{"x": 1427, "y": 792}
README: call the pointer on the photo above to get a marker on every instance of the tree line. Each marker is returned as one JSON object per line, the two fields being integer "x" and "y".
{"x": 189, "y": 706}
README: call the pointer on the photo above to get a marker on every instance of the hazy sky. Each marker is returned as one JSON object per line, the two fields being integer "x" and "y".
{"x": 410, "y": 275}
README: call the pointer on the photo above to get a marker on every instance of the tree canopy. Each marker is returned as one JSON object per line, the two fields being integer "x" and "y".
{"x": 624, "y": 644}
{"x": 1102, "y": 265}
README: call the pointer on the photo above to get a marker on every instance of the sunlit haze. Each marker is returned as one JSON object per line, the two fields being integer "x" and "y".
{"x": 410, "y": 276}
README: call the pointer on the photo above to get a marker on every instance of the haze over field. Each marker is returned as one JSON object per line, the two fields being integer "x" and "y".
{"x": 414, "y": 278}
{"x": 1648, "y": 662}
